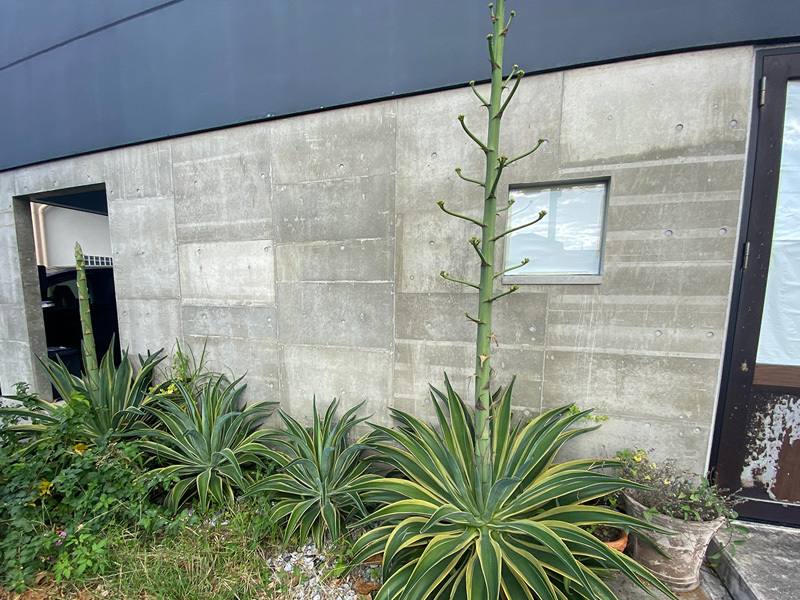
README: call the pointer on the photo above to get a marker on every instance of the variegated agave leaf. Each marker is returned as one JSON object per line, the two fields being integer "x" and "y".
{"x": 444, "y": 535}
{"x": 319, "y": 472}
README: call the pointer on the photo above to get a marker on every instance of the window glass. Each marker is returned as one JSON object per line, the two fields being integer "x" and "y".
{"x": 568, "y": 240}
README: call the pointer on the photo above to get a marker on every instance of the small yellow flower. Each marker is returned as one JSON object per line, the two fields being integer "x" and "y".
{"x": 80, "y": 448}
{"x": 44, "y": 488}
{"x": 666, "y": 482}
{"x": 637, "y": 458}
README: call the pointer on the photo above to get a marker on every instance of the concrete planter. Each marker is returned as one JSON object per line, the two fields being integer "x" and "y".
{"x": 680, "y": 572}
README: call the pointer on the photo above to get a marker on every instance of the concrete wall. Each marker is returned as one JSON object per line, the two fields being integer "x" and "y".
{"x": 307, "y": 250}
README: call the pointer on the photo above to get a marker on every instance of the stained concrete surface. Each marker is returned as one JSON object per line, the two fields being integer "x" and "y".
{"x": 711, "y": 588}
{"x": 765, "y": 567}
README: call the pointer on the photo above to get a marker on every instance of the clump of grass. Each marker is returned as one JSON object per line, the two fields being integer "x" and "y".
{"x": 226, "y": 561}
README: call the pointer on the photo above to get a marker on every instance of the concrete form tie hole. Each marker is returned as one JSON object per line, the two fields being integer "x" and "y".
{"x": 679, "y": 127}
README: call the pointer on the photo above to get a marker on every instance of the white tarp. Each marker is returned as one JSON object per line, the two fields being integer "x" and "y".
{"x": 779, "y": 342}
{"x": 567, "y": 240}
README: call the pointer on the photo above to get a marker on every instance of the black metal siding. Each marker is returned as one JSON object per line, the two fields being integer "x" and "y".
{"x": 84, "y": 75}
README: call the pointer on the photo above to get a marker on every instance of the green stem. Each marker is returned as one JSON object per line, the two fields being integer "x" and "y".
{"x": 89, "y": 349}
{"x": 483, "y": 368}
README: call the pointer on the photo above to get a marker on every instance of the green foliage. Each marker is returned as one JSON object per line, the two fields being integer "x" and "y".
{"x": 111, "y": 406}
{"x": 673, "y": 492}
{"x": 318, "y": 471}
{"x": 188, "y": 369}
{"x": 208, "y": 441}
{"x": 444, "y": 535}
{"x": 58, "y": 498}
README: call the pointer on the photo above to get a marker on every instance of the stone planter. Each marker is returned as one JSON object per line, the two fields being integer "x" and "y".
{"x": 687, "y": 549}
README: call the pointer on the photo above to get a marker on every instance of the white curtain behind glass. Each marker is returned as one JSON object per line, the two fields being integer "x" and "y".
{"x": 779, "y": 342}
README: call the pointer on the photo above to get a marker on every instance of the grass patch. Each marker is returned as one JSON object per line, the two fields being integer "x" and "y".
{"x": 196, "y": 564}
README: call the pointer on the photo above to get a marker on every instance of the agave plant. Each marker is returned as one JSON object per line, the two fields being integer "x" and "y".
{"x": 208, "y": 441}
{"x": 443, "y": 534}
{"x": 115, "y": 397}
{"x": 318, "y": 471}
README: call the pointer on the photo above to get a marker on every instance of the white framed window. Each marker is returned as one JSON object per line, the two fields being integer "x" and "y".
{"x": 566, "y": 246}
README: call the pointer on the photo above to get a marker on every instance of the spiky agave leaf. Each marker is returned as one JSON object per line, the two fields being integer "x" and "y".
{"x": 114, "y": 399}
{"x": 208, "y": 441}
{"x": 318, "y": 473}
{"x": 444, "y": 535}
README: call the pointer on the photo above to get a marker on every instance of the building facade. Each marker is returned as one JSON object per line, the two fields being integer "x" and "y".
{"x": 305, "y": 248}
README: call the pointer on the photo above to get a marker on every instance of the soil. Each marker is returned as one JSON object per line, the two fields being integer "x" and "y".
{"x": 606, "y": 533}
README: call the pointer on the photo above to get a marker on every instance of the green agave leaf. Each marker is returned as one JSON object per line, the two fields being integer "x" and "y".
{"x": 392, "y": 588}
{"x": 490, "y": 561}
{"x": 438, "y": 558}
{"x": 543, "y": 535}
{"x": 527, "y": 568}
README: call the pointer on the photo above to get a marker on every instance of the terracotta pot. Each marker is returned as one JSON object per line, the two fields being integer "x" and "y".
{"x": 686, "y": 550}
{"x": 620, "y": 543}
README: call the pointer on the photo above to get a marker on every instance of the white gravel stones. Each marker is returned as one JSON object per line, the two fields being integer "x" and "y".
{"x": 307, "y": 575}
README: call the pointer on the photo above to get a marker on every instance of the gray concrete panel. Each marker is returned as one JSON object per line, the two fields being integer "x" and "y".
{"x": 419, "y": 364}
{"x": 337, "y": 209}
{"x": 222, "y": 185}
{"x": 336, "y": 314}
{"x": 656, "y": 313}
{"x": 91, "y": 169}
{"x": 7, "y": 189}
{"x": 144, "y": 171}
{"x": 144, "y": 246}
{"x": 19, "y": 365}
{"x": 354, "y": 375}
{"x": 431, "y": 242}
{"x": 315, "y": 147}
{"x": 644, "y": 386}
{"x": 245, "y": 322}
{"x": 666, "y": 215}
{"x": 683, "y": 179}
{"x": 148, "y": 324}
{"x": 686, "y": 245}
{"x": 12, "y": 323}
{"x": 257, "y": 360}
{"x": 440, "y": 317}
{"x": 10, "y": 282}
{"x": 348, "y": 260}
{"x": 668, "y": 279}
{"x": 684, "y": 442}
{"x": 684, "y": 105}
{"x": 236, "y": 272}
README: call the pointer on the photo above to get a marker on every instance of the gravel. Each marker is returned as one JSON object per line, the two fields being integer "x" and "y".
{"x": 308, "y": 574}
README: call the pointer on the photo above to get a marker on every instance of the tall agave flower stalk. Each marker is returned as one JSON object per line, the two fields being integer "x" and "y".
{"x": 485, "y": 245}
{"x": 89, "y": 349}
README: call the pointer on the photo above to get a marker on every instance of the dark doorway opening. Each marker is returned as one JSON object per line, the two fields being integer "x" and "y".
{"x": 60, "y": 219}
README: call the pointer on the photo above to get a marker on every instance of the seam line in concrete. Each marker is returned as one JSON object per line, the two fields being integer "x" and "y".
{"x": 682, "y": 160}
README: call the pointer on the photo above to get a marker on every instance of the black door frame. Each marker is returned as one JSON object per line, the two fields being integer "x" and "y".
{"x": 732, "y": 411}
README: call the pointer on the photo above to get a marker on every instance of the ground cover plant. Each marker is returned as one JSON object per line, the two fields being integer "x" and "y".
{"x": 59, "y": 495}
